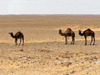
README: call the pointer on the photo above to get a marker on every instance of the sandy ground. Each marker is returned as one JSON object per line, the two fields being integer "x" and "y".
{"x": 44, "y": 51}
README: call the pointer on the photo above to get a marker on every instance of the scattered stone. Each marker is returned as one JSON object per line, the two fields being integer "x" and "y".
{"x": 77, "y": 53}
{"x": 57, "y": 58}
{"x": 67, "y": 62}
{"x": 12, "y": 58}
{"x": 67, "y": 74}
{"x": 72, "y": 72}
{"x": 86, "y": 53}
{"x": 58, "y": 62}
{"x": 97, "y": 62}
{"x": 21, "y": 50}
{"x": 95, "y": 57}
{"x": 33, "y": 60}
{"x": 28, "y": 56}
{"x": 91, "y": 58}
{"x": 23, "y": 60}
{"x": 12, "y": 70}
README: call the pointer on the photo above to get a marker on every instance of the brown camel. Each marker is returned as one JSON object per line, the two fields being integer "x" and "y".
{"x": 68, "y": 33}
{"x": 18, "y": 35}
{"x": 86, "y": 33}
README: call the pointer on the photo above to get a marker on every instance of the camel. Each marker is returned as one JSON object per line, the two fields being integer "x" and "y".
{"x": 87, "y": 33}
{"x": 68, "y": 33}
{"x": 18, "y": 35}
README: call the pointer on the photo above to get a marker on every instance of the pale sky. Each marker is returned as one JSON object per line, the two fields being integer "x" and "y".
{"x": 49, "y": 7}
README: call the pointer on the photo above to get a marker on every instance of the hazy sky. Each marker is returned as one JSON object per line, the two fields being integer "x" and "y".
{"x": 49, "y": 6}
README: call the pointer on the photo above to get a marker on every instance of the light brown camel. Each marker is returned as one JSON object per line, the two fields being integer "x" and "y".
{"x": 18, "y": 35}
{"x": 68, "y": 33}
{"x": 86, "y": 33}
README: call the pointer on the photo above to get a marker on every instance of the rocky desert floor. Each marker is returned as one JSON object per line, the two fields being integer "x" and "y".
{"x": 44, "y": 51}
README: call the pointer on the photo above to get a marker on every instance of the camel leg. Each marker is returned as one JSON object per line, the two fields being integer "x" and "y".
{"x": 20, "y": 41}
{"x": 85, "y": 40}
{"x": 65, "y": 40}
{"x": 94, "y": 41}
{"x": 16, "y": 41}
{"x": 73, "y": 40}
{"x": 91, "y": 40}
{"x": 23, "y": 41}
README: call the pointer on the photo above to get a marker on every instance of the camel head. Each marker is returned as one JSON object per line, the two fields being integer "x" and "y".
{"x": 60, "y": 31}
{"x": 81, "y": 33}
{"x": 79, "y": 30}
{"x": 11, "y": 34}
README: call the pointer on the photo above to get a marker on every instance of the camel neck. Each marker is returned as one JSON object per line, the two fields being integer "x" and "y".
{"x": 12, "y": 36}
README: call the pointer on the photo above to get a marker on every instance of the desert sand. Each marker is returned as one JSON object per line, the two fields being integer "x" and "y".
{"x": 44, "y": 51}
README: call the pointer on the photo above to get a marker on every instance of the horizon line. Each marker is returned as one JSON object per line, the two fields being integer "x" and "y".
{"x": 48, "y": 14}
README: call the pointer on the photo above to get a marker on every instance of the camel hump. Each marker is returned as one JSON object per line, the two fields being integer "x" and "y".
{"x": 69, "y": 29}
{"x": 19, "y": 32}
{"x": 89, "y": 29}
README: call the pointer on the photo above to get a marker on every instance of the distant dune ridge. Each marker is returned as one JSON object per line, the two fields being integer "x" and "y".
{"x": 79, "y": 26}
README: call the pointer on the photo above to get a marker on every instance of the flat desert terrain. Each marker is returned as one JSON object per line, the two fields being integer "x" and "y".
{"x": 45, "y": 51}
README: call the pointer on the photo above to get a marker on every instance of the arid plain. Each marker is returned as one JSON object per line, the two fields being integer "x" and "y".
{"x": 44, "y": 51}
